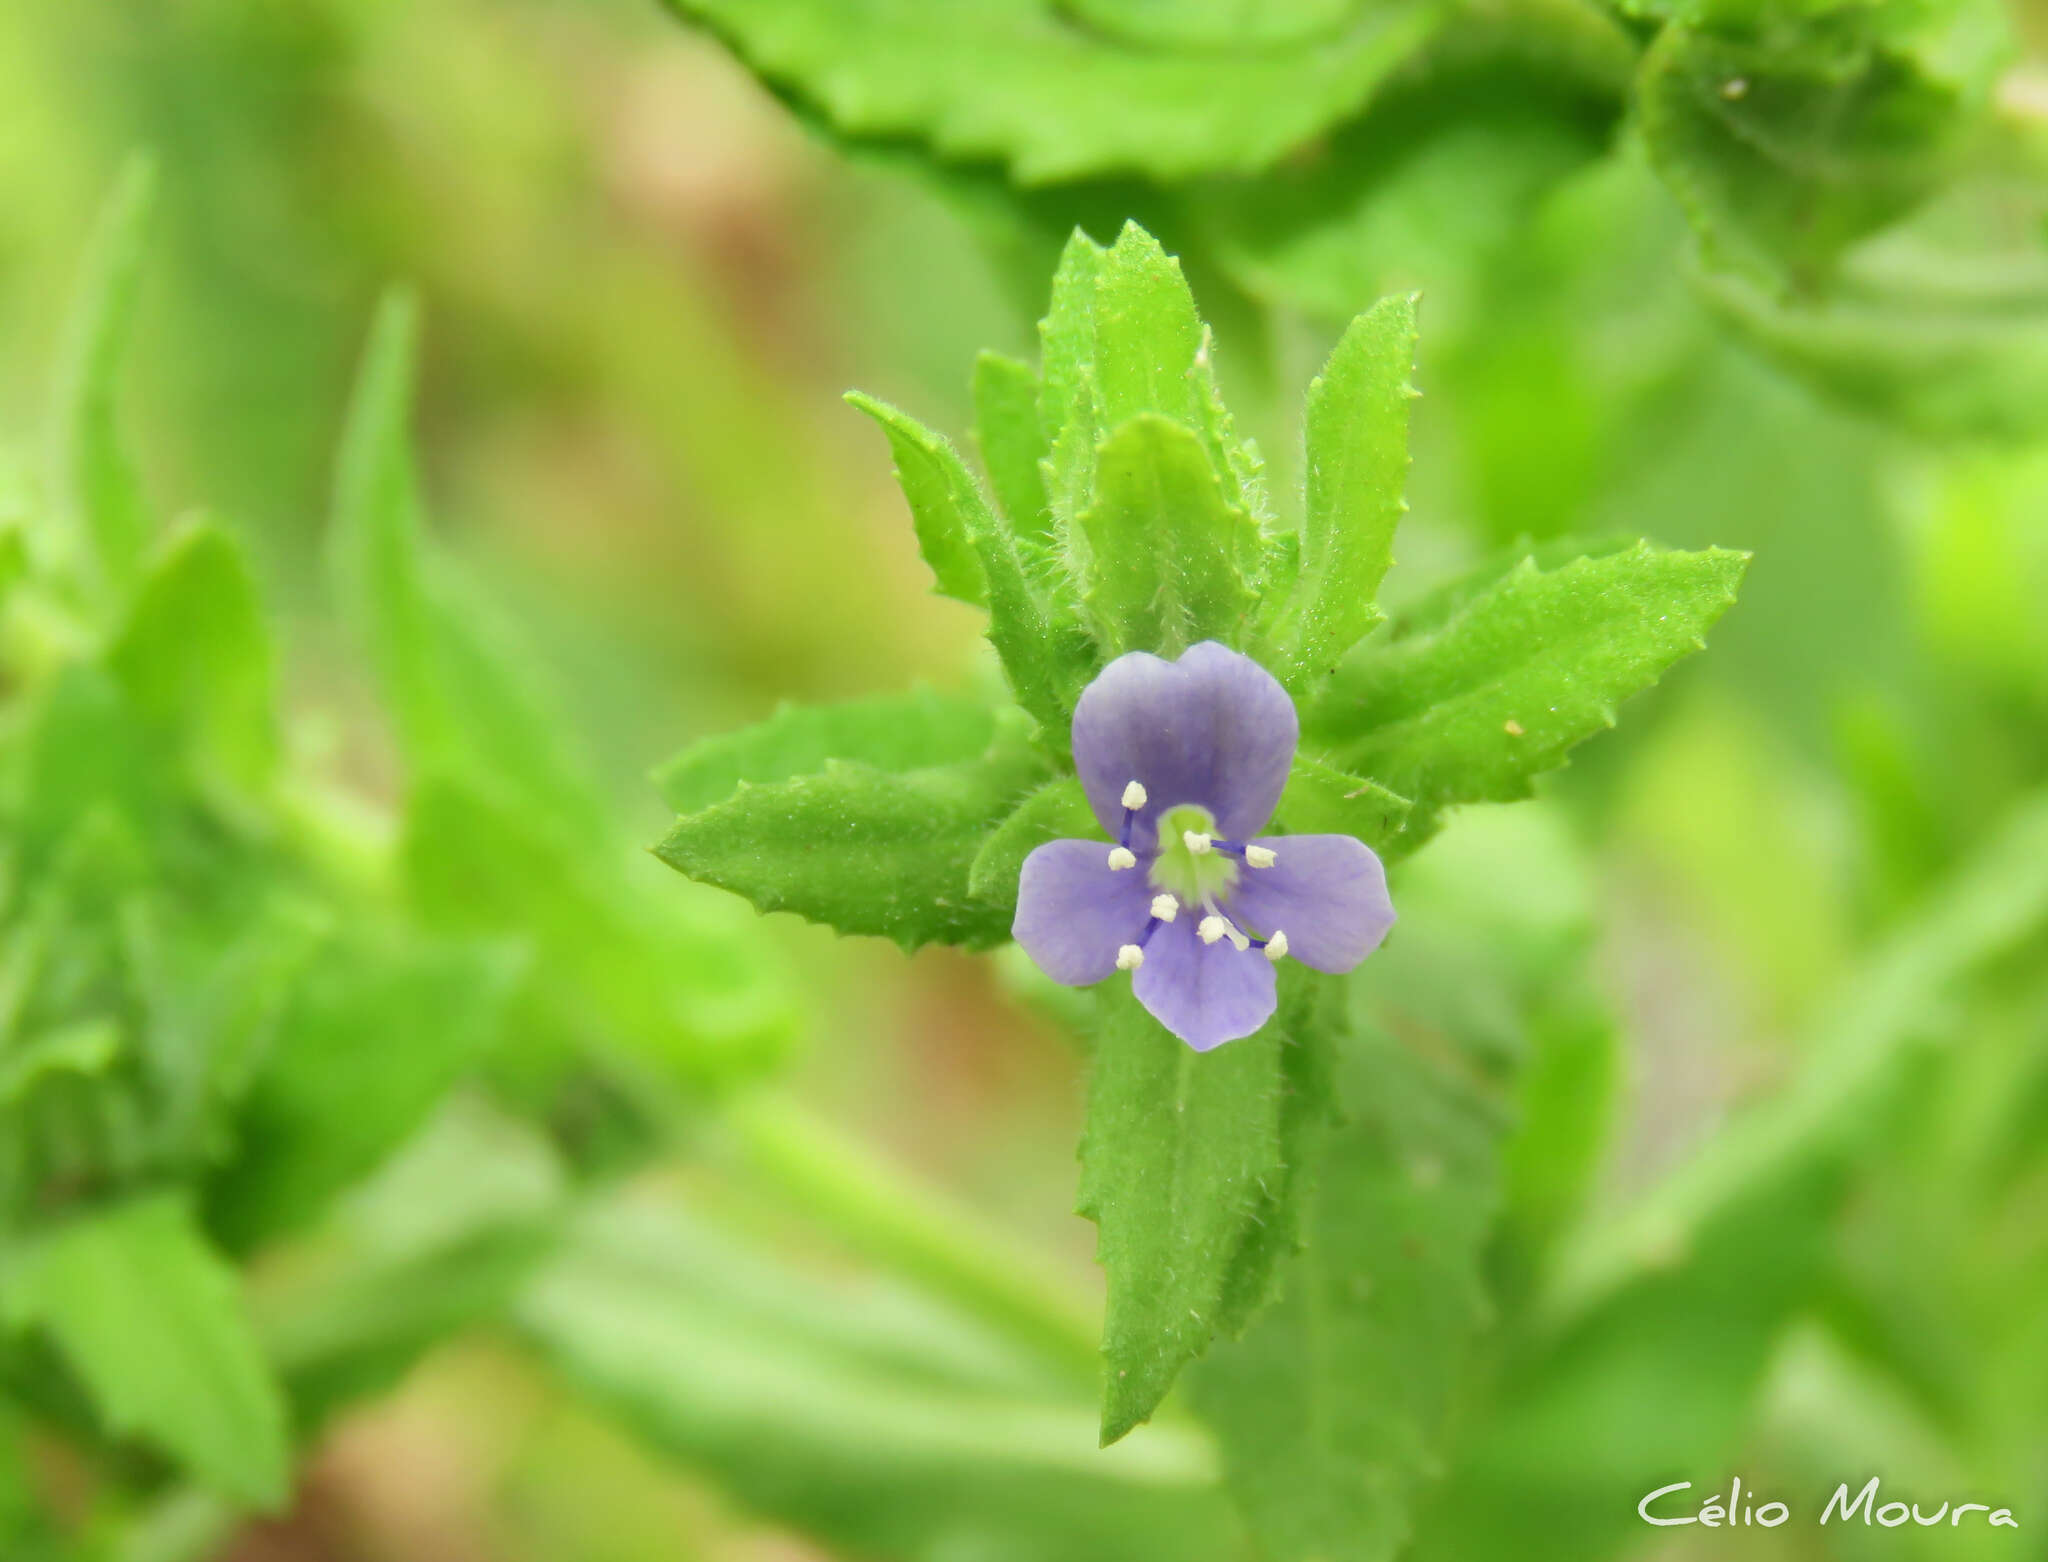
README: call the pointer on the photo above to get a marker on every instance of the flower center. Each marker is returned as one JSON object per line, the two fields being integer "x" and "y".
{"x": 1194, "y": 874}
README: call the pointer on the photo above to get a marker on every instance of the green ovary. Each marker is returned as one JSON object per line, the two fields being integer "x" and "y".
{"x": 1192, "y": 880}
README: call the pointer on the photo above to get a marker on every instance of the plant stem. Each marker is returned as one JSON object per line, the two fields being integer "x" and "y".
{"x": 916, "y": 1230}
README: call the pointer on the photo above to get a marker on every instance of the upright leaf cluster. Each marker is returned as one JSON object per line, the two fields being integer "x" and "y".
{"x": 1129, "y": 514}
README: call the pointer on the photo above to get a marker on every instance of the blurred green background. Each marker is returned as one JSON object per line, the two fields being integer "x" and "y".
{"x": 644, "y": 284}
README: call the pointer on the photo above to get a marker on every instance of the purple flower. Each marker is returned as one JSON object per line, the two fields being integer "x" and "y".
{"x": 1183, "y": 763}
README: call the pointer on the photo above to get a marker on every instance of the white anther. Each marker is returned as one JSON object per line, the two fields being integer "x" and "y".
{"x": 1197, "y": 842}
{"x": 1134, "y": 795}
{"x": 1165, "y": 907}
{"x": 1276, "y": 947}
{"x": 1129, "y": 957}
{"x": 1121, "y": 857}
{"x": 1209, "y": 929}
{"x": 1260, "y": 857}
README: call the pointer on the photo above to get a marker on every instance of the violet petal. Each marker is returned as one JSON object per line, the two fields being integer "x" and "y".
{"x": 1213, "y": 728}
{"x": 1327, "y": 892}
{"x": 1206, "y": 994}
{"x": 1074, "y": 911}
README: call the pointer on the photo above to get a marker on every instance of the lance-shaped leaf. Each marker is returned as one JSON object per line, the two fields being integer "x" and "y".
{"x": 194, "y": 659}
{"x": 462, "y": 694}
{"x": 102, "y": 494}
{"x": 864, "y": 849}
{"x": 1011, "y": 439}
{"x": 1167, "y": 552}
{"x": 1322, "y": 800}
{"x": 151, "y": 1319}
{"x": 1122, "y": 339}
{"x": 1018, "y": 81}
{"x": 1470, "y": 711}
{"x": 1044, "y": 653}
{"x": 1357, "y": 468}
{"x": 1190, "y": 1168}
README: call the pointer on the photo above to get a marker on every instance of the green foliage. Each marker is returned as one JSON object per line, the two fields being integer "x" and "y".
{"x": 879, "y": 1423}
{"x": 1473, "y": 709}
{"x": 1356, "y": 431}
{"x": 194, "y": 660}
{"x": 1330, "y": 1410}
{"x": 1190, "y": 1166}
{"x": 109, "y": 523}
{"x": 1166, "y": 551}
{"x": 464, "y": 699}
{"x": 152, "y": 1319}
{"x": 1057, "y": 811}
{"x": 388, "y": 1029}
{"x": 1018, "y": 81}
{"x": 863, "y": 849}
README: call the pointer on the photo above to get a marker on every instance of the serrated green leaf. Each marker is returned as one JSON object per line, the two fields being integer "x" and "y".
{"x": 1043, "y": 652}
{"x": 1017, "y": 81}
{"x": 945, "y": 506}
{"x": 1121, "y": 340}
{"x": 864, "y": 850}
{"x": 1357, "y": 470}
{"x": 615, "y": 955}
{"x": 462, "y": 694}
{"x": 102, "y": 495}
{"x": 1012, "y": 443}
{"x": 151, "y": 1318}
{"x": 1215, "y": 23}
{"x": 1167, "y": 553}
{"x": 1330, "y": 1410}
{"x": 387, "y": 1027}
{"x": 1190, "y": 1168}
{"x": 1788, "y": 136}
{"x": 864, "y": 1416}
{"x": 1322, "y": 800}
{"x": 891, "y": 732}
{"x": 1056, "y": 811}
{"x": 194, "y": 659}
{"x": 1471, "y": 711}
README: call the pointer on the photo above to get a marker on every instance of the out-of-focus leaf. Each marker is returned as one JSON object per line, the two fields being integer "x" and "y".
{"x": 1788, "y": 134}
{"x": 1167, "y": 553}
{"x": 975, "y": 558}
{"x": 374, "y": 1036}
{"x": 1058, "y": 810}
{"x": 862, "y": 849}
{"x": 82, "y": 1047}
{"x": 1020, "y": 82}
{"x": 1693, "y": 1286}
{"x": 440, "y": 1239}
{"x": 85, "y": 754}
{"x": 151, "y": 1319}
{"x": 616, "y": 959}
{"x": 1012, "y": 443}
{"x": 1439, "y": 178}
{"x": 1191, "y": 1167}
{"x": 463, "y": 697}
{"x": 1330, "y": 1410}
{"x": 1471, "y": 711}
{"x": 845, "y": 1421}
{"x": 102, "y": 494}
{"x": 1947, "y": 341}
{"x": 1357, "y": 468}
{"x": 194, "y": 659}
